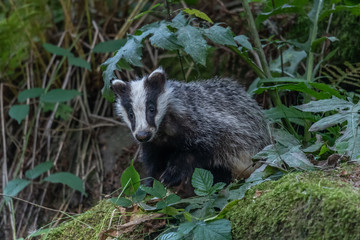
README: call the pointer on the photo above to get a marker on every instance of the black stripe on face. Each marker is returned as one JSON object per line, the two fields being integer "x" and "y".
{"x": 154, "y": 86}
{"x": 122, "y": 91}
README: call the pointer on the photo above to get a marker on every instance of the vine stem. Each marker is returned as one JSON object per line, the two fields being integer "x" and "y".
{"x": 255, "y": 37}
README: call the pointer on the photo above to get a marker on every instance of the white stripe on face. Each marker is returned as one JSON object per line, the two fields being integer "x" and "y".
{"x": 121, "y": 111}
{"x": 138, "y": 97}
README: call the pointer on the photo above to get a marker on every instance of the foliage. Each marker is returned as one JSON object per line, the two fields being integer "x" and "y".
{"x": 17, "y": 185}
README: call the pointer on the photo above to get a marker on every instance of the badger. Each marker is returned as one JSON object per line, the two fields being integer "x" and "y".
{"x": 210, "y": 124}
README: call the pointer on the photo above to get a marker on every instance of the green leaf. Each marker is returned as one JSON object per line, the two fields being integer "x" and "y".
{"x": 40, "y": 232}
{"x": 171, "y": 211}
{"x": 193, "y": 42}
{"x": 158, "y": 190}
{"x": 164, "y": 38}
{"x": 13, "y": 187}
{"x": 68, "y": 179}
{"x": 323, "y": 150}
{"x": 146, "y": 12}
{"x": 220, "y": 35}
{"x": 109, "y": 46}
{"x": 139, "y": 195}
{"x": 38, "y": 170}
{"x": 30, "y": 93}
{"x": 325, "y": 105}
{"x": 19, "y": 112}
{"x": 290, "y": 61}
{"x": 286, "y": 8}
{"x": 243, "y": 41}
{"x": 79, "y": 62}
{"x": 329, "y": 121}
{"x": 130, "y": 180}
{"x": 294, "y": 115}
{"x": 186, "y": 228}
{"x": 216, "y": 230}
{"x": 202, "y": 181}
{"x": 217, "y": 186}
{"x": 161, "y": 205}
{"x": 342, "y": 147}
{"x": 318, "y": 41}
{"x": 172, "y": 199}
{"x": 123, "y": 202}
{"x": 59, "y": 95}
{"x": 198, "y": 14}
{"x": 170, "y": 236}
{"x": 57, "y": 50}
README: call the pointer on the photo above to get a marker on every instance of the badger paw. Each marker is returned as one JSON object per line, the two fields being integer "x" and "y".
{"x": 171, "y": 177}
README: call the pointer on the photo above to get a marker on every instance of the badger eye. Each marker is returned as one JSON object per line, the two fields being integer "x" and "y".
{"x": 131, "y": 114}
{"x": 151, "y": 109}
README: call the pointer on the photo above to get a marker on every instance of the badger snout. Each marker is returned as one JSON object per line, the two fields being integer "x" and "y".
{"x": 143, "y": 136}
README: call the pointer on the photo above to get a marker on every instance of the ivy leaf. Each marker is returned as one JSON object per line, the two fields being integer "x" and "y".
{"x": 202, "y": 180}
{"x": 130, "y": 180}
{"x": 198, "y": 14}
{"x": 220, "y": 35}
{"x": 19, "y": 112}
{"x": 68, "y": 179}
{"x": 59, "y": 95}
{"x": 193, "y": 42}
{"x": 14, "y": 187}
{"x": 164, "y": 38}
{"x": 30, "y": 93}
{"x": 38, "y": 170}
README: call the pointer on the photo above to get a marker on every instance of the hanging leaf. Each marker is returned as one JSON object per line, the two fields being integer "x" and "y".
{"x": 193, "y": 42}
{"x": 59, "y": 95}
{"x": 38, "y": 170}
{"x": 57, "y": 50}
{"x": 30, "y": 93}
{"x": 14, "y": 187}
{"x": 243, "y": 41}
{"x": 109, "y": 46}
{"x": 19, "y": 112}
{"x": 79, "y": 62}
{"x": 164, "y": 38}
{"x": 198, "y": 14}
{"x": 130, "y": 180}
{"x": 220, "y": 35}
{"x": 68, "y": 179}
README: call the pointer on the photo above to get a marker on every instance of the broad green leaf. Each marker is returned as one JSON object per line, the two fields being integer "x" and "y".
{"x": 329, "y": 121}
{"x": 186, "y": 228}
{"x": 295, "y": 158}
{"x": 325, "y": 105}
{"x": 161, "y": 205}
{"x": 19, "y": 112}
{"x": 79, "y": 62}
{"x": 13, "y": 187}
{"x": 139, "y": 195}
{"x": 342, "y": 147}
{"x": 68, "y": 179}
{"x": 57, "y": 50}
{"x": 220, "y": 35}
{"x": 286, "y": 8}
{"x": 193, "y": 42}
{"x": 198, "y": 14}
{"x": 38, "y": 170}
{"x": 170, "y": 211}
{"x": 323, "y": 150}
{"x": 30, "y": 93}
{"x": 318, "y": 41}
{"x": 170, "y": 236}
{"x": 202, "y": 181}
{"x": 216, "y": 230}
{"x": 130, "y": 180}
{"x": 158, "y": 190}
{"x": 243, "y": 41}
{"x": 314, "y": 147}
{"x": 109, "y": 46}
{"x": 326, "y": 88}
{"x": 178, "y": 21}
{"x": 294, "y": 115}
{"x": 123, "y": 202}
{"x": 172, "y": 199}
{"x": 217, "y": 186}
{"x": 290, "y": 61}
{"x": 59, "y": 95}
{"x": 164, "y": 38}
{"x": 315, "y": 11}
{"x": 131, "y": 52}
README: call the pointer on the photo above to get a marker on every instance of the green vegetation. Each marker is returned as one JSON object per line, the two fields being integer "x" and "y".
{"x": 57, "y": 59}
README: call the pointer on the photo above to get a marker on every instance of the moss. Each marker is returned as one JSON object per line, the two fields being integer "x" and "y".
{"x": 88, "y": 225}
{"x": 312, "y": 205}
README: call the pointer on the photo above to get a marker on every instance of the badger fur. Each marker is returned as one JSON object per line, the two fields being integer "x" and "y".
{"x": 211, "y": 124}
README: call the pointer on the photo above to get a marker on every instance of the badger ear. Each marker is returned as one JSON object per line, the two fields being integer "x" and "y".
{"x": 156, "y": 79}
{"x": 118, "y": 86}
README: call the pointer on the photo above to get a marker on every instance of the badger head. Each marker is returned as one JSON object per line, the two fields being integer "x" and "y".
{"x": 142, "y": 104}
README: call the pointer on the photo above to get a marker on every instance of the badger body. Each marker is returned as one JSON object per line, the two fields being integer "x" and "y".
{"x": 211, "y": 124}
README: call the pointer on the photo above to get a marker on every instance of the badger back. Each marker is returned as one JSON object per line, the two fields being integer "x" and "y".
{"x": 142, "y": 103}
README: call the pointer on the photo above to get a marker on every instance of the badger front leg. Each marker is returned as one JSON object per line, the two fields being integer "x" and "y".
{"x": 179, "y": 168}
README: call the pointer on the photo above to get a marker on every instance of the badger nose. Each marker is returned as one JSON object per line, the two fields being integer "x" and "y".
{"x": 143, "y": 136}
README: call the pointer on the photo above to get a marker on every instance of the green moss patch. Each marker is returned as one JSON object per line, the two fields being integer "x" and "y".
{"x": 314, "y": 205}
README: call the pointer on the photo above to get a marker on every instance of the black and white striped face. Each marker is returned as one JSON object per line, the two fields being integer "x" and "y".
{"x": 142, "y": 104}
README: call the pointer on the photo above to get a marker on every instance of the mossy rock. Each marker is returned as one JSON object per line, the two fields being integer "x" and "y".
{"x": 314, "y": 205}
